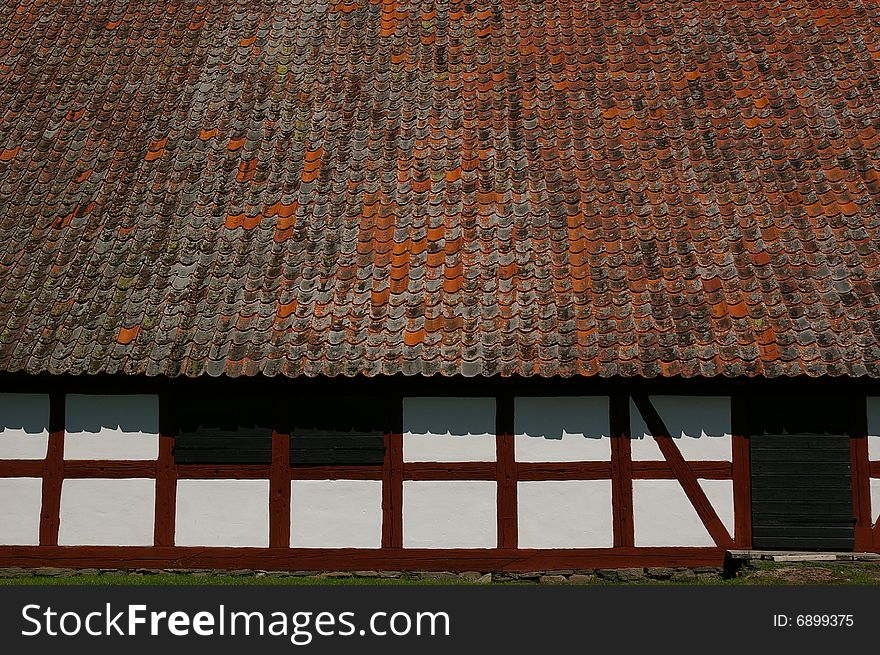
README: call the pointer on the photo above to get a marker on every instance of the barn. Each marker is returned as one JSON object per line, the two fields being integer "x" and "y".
{"x": 438, "y": 284}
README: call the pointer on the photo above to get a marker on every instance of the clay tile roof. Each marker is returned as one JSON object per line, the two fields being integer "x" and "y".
{"x": 532, "y": 187}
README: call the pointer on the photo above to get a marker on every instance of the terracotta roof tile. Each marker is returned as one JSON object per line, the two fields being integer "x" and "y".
{"x": 441, "y": 188}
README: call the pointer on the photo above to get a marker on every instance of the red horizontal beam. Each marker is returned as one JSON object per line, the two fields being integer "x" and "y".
{"x": 19, "y": 468}
{"x": 525, "y": 471}
{"x": 662, "y": 471}
{"x": 875, "y": 469}
{"x": 109, "y": 469}
{"x": 223, "y": 471}
{"x": 450, "y": 471}
{"x": 531, "y": 471}
{"x": 336, "y": 473}
{"x": 354, "y": 559}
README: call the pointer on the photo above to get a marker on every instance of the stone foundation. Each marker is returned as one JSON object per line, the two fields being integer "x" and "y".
{"x": 585, "y": 576}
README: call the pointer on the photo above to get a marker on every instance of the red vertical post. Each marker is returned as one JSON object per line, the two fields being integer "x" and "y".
{"x": 506, "y": 472}
{"x": 621, "y": 471}
{"x": 53, "y": 472}
{"x": 742, "y": 475}
{"x": 279, "y": 490}
{"x": 392, "y": 480}
{"x": 166, "y": 477}
{"x": 860, "y": 468}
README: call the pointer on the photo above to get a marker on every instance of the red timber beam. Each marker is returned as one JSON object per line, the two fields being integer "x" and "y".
{"x": 860, "y": 467}
{"x": 53, "y": 474}
{"x": 392, "y": 481}
{"x": 21, "y": 468}
{"x": 279, "y": 490}
{"x": 224, "y": 471}
{"x": 683, "y": 472}
{"x": 165, "y": 471}
{"x": 351, "y": 559}
{"x": 452, "y": 470}
{"x": 529, "y": 471}
{"x": 111, "y": 469}
{"x": 621, "y": 472}
{"x": 705, "y": 470}
{"x": 741, "y": 471}
{"x": 506, "y": 472}
{"x": 525, "y": 471}
{"x": 279, "y": 481}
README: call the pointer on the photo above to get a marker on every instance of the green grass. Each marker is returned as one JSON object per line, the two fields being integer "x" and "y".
{"x": 771, "y": 573}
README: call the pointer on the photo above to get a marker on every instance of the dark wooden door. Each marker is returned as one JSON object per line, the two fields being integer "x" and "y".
{"x": 801, "y": 492}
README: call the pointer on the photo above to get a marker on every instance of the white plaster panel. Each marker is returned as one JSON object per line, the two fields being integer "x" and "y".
{"x": 111, "y": 427}
{"x": 449, "y": 514}
{"x": 565, "y": 514}
{"x": 449, "y": 429}
{"x": 875, "y": 499}
{"x": 20, "y": 506}
{"x": 720, "y": 495}
{"x": 222, "y": 513}
{"x": 101, "y": 512}
{"x": 664, "y": 516}
{"x": 24, "y": 425}
{"x": 700, "y": 426}
{"x": 336, "y": 513}
{"x": 874, "y": 428}
{"x": 562, "y": 429}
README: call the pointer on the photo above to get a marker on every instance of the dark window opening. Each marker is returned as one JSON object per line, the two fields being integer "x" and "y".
{"x": 224, "y": 430}
{"x": 791, "y": 413}
{"x": 327, "y": 448}
{"x": 324, "y": 431}
{"x": 339, "y": 431}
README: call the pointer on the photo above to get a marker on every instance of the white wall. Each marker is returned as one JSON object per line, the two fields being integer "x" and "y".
{"x": 20, "y": 506}
{"x": 97, "y": 512}
{"x": 562, "y": 429}
{"x": 700, "y": 426}
{"x": 24, "y": 425}
{"x": 222, "y": 513}
{"x": 663, "y": 516}
{"x": 874, "y": 428}
{"x": 448, "y": 429}
{"x": 565, "y": 514}
{"x": 336, "y": 513}
{"x": 449, "y": 514}
{"x": 111, "y": 427}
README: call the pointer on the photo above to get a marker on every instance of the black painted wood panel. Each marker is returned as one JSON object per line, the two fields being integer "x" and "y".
{"x": 801, "y": 492}
{"x": 329, "y": 448}
{"x": 217, "y": 447}
{"x": 313, "y": 448}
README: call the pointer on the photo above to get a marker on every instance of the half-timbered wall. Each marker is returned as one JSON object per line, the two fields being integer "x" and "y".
{"x": 472, "y": 481}
{"x": 101, "y": 432}
{"x": 552, "y": 434}
{"x": 448, "y": 433}
{"x": 667, "y": 512}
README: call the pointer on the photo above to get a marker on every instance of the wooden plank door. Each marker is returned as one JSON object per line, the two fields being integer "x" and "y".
{"x": 801, "y": 488}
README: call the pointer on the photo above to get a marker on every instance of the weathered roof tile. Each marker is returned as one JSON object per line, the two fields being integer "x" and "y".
{"x": 567, "y": 188}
